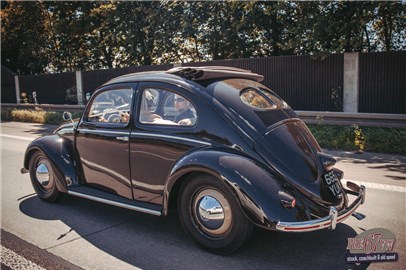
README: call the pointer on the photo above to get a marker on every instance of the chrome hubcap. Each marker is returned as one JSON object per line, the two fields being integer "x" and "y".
{"x": 212, "y": 212}
{"x": 42, "y": 173}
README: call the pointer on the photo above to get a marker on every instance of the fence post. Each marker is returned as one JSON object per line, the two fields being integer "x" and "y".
{"x": 17, "y": 88}
{"x": 351, "y": 82}
{"x": 79, "y": 87}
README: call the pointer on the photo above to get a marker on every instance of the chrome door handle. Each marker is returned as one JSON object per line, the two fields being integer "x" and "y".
{"x": 125, "y": 139}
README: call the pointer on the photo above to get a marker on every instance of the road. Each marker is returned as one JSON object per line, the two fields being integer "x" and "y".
{"x": 91, "y": 235}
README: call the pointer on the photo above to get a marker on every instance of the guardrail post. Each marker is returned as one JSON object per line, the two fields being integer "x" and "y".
{"x": 351, "y": 82}
{"x": 79, "y": 87}
{"x": 17, "y": 87}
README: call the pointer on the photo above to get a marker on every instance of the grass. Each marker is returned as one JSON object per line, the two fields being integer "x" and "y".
{"x": 350, "y": 138}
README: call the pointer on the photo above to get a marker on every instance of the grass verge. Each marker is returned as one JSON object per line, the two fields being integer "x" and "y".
{"x": 354, "y": 138}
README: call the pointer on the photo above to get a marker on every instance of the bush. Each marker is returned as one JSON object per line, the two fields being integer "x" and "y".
{"x": 6, "y": 115}
{"x": 354, "y": 138}
{"x": 32, "y": 116}
{"x": 53, "y": 118}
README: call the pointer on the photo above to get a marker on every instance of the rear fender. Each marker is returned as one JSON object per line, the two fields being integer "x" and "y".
{"x": 255, "y": 187}
{"x": 60, "y": 152}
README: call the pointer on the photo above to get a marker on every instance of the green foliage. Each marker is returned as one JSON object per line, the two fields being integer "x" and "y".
{"x": 353, "y": 138}
{"x": 59, "y": 36}
{"x": 6, "y": 115}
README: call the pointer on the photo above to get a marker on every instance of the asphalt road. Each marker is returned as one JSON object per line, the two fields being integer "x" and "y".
{"x": 91, "y": 235}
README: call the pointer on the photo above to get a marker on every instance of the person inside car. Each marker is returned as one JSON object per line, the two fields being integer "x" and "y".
{"x": 186, "y": 116}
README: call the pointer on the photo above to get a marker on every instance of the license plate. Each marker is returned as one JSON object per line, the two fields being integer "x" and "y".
{"x": 332, "y": 183}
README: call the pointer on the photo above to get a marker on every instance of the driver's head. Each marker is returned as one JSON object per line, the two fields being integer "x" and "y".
{"x": 181, "y": 104}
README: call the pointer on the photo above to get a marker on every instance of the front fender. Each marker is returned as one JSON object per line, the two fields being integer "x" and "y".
{"x": 59, "y": 151}
{"x": 254, "y": 185}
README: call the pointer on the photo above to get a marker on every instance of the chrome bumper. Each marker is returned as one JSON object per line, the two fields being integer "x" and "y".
{"x": 329, "y": 221}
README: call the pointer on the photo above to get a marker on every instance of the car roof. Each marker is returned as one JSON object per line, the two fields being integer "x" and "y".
{"x": 197, "y": 74}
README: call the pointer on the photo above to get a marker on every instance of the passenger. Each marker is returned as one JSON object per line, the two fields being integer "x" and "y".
{"x": 146, "y": 114}
{"x": 186, "y": 116}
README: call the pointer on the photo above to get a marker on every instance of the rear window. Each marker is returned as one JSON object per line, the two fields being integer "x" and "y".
{"x": 262, "y": 99}
{"x": 254, "y": 98}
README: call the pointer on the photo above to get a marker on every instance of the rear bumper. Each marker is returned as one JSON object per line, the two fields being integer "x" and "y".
{"x": 329, "y": 221}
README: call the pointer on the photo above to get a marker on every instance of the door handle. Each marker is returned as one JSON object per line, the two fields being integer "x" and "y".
{"x": 125, "y": 139}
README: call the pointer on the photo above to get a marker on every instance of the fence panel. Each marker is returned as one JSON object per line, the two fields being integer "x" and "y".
{"x": 304, "y": 82}
{"x": 382, "y": 82}
{"x": 51, "y": 88}
{"x": 8, "y": 93}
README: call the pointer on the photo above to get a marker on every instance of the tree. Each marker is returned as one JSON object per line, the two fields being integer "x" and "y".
{"x": 24, "y": 37}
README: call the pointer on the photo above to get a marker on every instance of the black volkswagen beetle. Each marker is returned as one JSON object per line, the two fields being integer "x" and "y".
{"x": 224, "y": 149}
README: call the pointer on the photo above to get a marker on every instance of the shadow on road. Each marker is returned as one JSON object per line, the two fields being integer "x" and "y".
{"x": 40, "y": 129}
{"x": 152, "y": 242}
{"x": 390, "y": 163}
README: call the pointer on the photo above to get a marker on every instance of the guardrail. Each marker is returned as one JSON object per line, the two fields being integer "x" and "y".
{"x": 360, "y": 119}
{"x": 45, "y": 107}
{"x": 309, "y": 117}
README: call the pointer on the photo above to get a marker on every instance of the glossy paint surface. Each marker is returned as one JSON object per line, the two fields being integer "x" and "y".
{"x": 255, "y": 152}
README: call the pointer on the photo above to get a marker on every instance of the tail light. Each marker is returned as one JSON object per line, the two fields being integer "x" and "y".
{"x": 287, "y": 200}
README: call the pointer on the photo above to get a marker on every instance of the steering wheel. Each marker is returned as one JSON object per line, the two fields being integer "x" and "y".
{"x": 113, "y": 115}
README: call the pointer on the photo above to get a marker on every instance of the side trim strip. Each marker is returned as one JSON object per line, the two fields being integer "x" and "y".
{"x": 122, "y": 205}
{"x": 104, "y": 131}
{"x": 169, "y": 137}
{"x": 135, "y": 134}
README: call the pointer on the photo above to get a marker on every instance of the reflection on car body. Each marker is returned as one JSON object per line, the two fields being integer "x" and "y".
{"x": 213, "y": 142}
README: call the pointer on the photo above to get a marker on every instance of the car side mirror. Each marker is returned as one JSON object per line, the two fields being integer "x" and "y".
{"x": 67, "y": 116}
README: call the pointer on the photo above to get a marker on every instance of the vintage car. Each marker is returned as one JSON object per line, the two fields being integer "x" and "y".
{"x": 213, "y": 143}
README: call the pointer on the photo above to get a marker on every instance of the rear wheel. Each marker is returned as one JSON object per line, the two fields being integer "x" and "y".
{"x": 210, "y": 213}
{"x": 43, "y": 178}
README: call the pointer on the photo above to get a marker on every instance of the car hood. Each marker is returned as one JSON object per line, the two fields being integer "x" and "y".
{"x": 291, "y": 150}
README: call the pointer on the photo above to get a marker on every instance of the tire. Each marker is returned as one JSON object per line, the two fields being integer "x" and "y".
{"x": 211, "y": 215}
{"x": 43, "y": 178}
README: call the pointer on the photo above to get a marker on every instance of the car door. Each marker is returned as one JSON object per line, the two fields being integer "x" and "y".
{"x": 102, "y": 140}
{"x": 157, "y": 141}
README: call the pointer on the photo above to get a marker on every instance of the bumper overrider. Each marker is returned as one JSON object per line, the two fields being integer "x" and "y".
{"x": 332, "y": 219}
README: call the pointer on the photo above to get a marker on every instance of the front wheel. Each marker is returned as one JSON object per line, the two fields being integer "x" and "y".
{"x": 43, "y": 178}
{"x": 210, "y": 213}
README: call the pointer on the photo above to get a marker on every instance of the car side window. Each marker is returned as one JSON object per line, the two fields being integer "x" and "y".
{"x": 163, "y": 107}
{"x": 111, "y": 106}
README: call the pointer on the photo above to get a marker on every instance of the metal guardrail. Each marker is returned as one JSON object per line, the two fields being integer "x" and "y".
{"x": 309, "y": 117}
{"x": 360, "y": 119}
{"x": 45, "y": 107}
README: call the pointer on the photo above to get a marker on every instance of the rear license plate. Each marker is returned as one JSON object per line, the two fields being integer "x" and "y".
{"x": 332, "y": 183}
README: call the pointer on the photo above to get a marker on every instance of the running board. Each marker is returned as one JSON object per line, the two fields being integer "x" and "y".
{"x": 111, "y": 199}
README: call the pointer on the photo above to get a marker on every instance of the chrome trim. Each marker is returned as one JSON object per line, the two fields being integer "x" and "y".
{"x": 212, "y": 212}
{"x": 333, "y": 214}
{"x": 124, "y": 138}
{"x": 144, "y": 134}
{"x": 122, "y": 205}
{"x": 42, "y": 173}
{"x": 329, "y": 221}
{"x": 169, "y": 137}
{"x": 103, "y": 131}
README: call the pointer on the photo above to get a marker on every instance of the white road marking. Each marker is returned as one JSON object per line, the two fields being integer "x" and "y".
{"x": 377, "y": 186}
{"x": 17, "y": 262}
{"x": 17, "y": 137}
